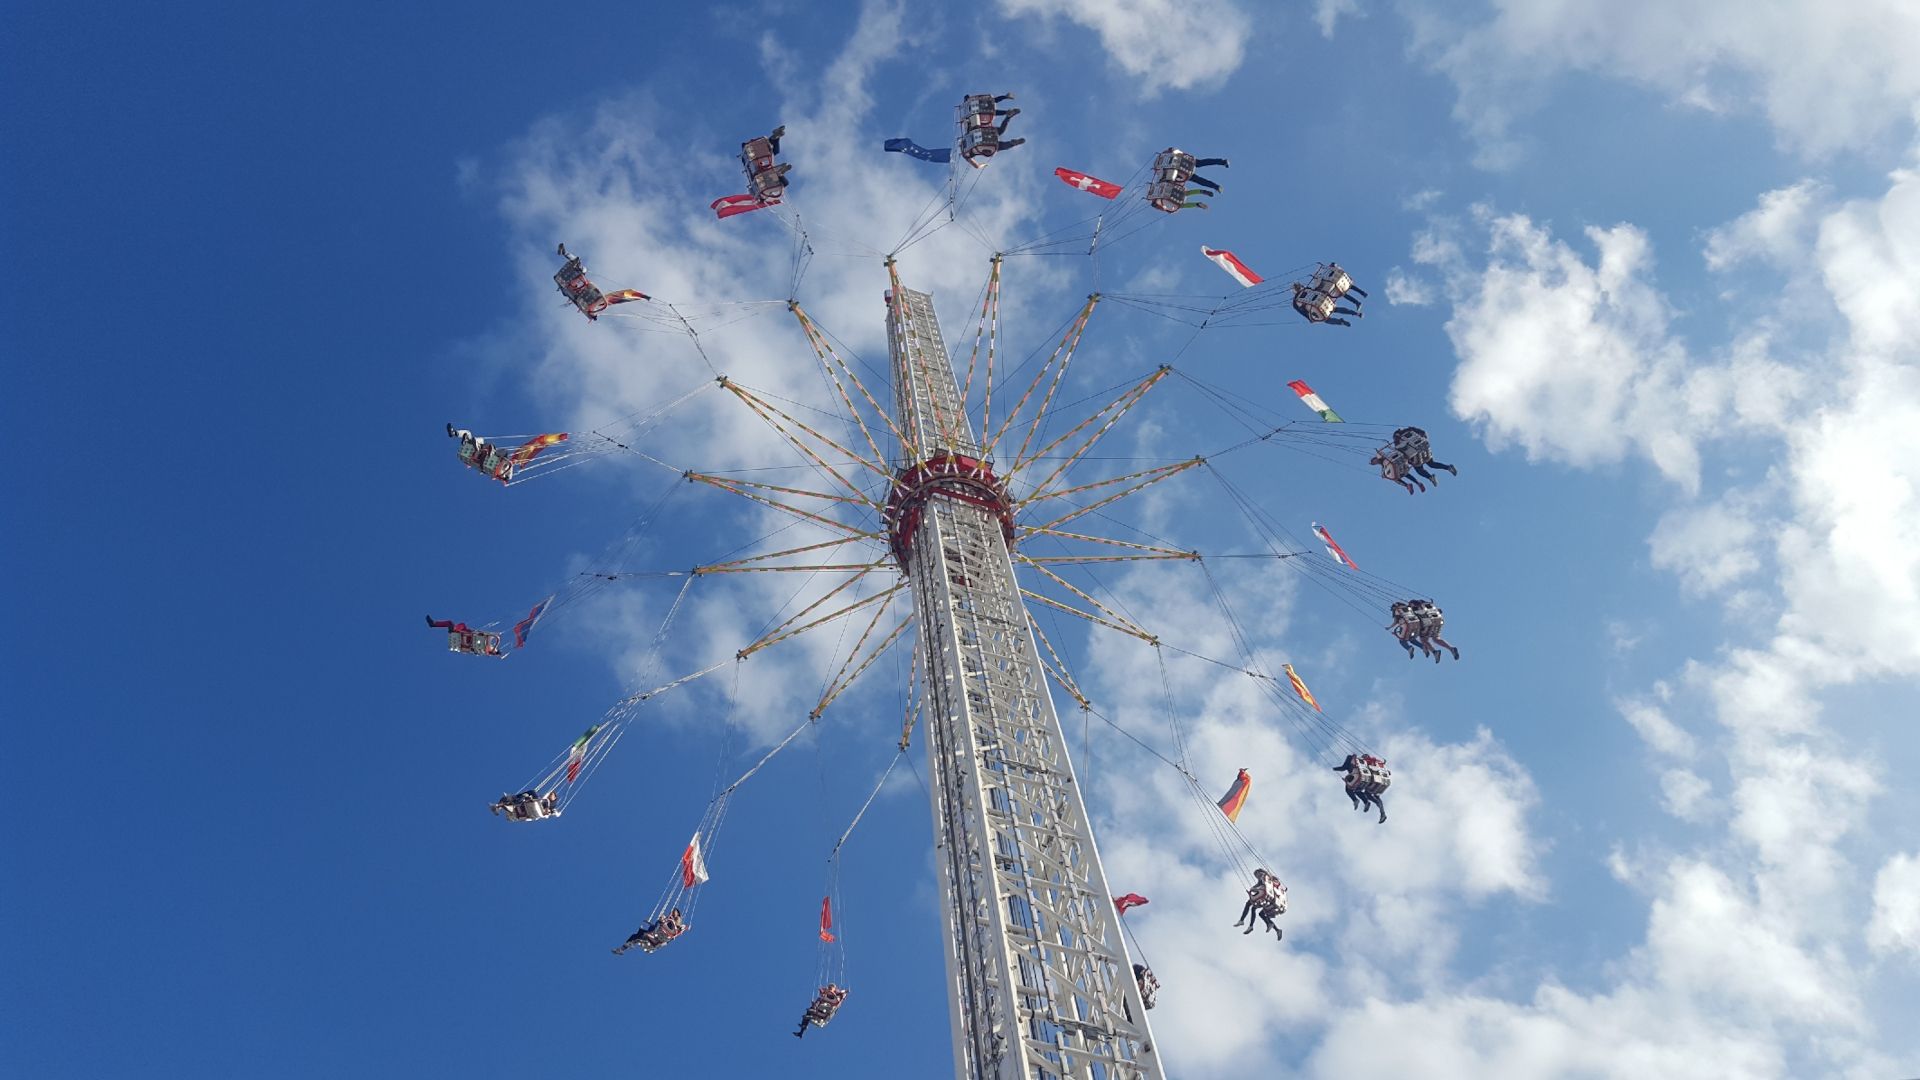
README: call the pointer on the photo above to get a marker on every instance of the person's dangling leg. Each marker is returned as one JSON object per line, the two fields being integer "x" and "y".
{"x": 1203, "y": 182}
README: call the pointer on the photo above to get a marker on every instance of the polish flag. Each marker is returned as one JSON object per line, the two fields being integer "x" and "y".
{"x": 693, "y": 866}
{"x": 1228, "y": 261}
{"x": 1092, "y": 185}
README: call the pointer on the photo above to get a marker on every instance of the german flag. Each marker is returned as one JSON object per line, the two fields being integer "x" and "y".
{"x": 1236, "y": 796}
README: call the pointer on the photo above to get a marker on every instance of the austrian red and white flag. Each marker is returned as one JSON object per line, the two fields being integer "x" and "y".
{"x": 693, "y": 866}
{"x": 1092, "y": 185}
{"x": 1228, "y": 261}
{"x": 728, "y": 205}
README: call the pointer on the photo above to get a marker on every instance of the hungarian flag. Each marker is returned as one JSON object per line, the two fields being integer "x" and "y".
{"x": 1312, "y": 401}
{"x": 1092, "y": 185}
{"x": 1228, "y": 261}
{"x": 526, "y": 450}
{"x": 577, "y": 754}
{"x": 1300, "y": 688}
{"x": 1339, "y": 555}
{"x": 1131, "y": 900}
{"x": 826, "y": 918}
{"x": 1236, "y": 796}
{"x": 727, "y": 206}
{"x": 693, "y": 867}
{"x": 625, "y": 295}
{"x": 525, "y": 626}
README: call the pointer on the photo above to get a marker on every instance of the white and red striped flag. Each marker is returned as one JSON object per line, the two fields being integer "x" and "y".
{"x": 1228, "y": 261}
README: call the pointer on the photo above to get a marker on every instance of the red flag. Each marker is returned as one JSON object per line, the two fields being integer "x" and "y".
{"x": 1092, "y": 185}
{"x": 1131, "y": 900}
{"x": 727, "y": 206}
{"x": 1236, "y": 796}
{"x": 826, "y": 918}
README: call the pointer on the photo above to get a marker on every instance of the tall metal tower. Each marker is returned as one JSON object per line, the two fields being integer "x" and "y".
{"x": 1039, "y": 981}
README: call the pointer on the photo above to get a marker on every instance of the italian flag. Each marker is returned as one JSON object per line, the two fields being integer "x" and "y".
{"x": 1312, "y": 401}
{"x": 577, "y": 756}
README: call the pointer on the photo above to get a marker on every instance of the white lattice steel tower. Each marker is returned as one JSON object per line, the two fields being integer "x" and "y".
{"x": 1038, "y": 977}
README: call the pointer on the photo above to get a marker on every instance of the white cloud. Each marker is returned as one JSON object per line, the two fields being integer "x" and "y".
{"x": 1684, "y": 794}
{"x": 1778, "y": 231}
{"x": 1327, "y": 12}
{"x": 1896, "y": 907}
{"x": 1167, "y": 44}
{"x": 1571, "y": 362}
{"x": 1751, "y": 961}
{"x": 1408, "y": 291}
{"x": 1656, "y": 730}
{"x": 1710, "y": 547}
{"x": 1827, "y": 76}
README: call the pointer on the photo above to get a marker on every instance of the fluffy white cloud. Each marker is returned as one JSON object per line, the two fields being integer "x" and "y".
{"x": 1827, "y": 76}
{"x": 1656, "y": 729}
{"x": 1710, "y": 547}
{"x": 1896, "y": 907}
{"x": 1750, "y": 964}
{"x": 1167, "y": 44}
{"x": 1407, "y": 290}
{"x": 1568, "y": 360}
{"x": 1684, "y": 793}
{"x": 1778, "y": 231}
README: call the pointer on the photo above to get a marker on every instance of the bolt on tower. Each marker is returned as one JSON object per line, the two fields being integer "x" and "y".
{"x": 1038, "y": 979}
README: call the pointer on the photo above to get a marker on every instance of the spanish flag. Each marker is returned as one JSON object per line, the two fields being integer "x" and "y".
{"x": 1300, "y": 688}
{"x": 1236, "y": 796}
{"x": 526, "y": 450}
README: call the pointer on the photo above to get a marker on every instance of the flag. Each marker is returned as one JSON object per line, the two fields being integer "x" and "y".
{"x": 577, "y": 754}
{"x": 727, "y": 206}
{"x": 1312, "y": 401}
{"x": 1333, "y": 550}
{"x": 526, "y": 450}
{"x": 1236, "y": 796}
{"x": 826, "y": 918}
{"x": 1092, "y": 185}
{"x": 1228, "y": 261}
{"x": 1131, "y": 900}
{"x": 915, "y": 150}
{"x": 525, "y": 626}
{"x": 693, "y": 868}
{"x": 1300, "y": 688}
{"x": 625, "y": 295}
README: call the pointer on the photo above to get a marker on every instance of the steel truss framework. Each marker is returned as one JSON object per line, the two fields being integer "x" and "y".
{"x": 1040, "y": 983}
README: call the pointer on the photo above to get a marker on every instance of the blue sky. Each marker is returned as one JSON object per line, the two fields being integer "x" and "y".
{"x": 1646, "y": 278}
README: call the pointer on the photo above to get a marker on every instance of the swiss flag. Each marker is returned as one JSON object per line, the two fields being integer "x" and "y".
{"x": 1093, "y": 185}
